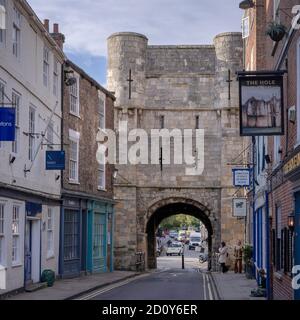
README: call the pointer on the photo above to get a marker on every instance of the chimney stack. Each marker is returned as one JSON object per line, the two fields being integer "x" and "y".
{"x": 46, "y": 24}
{"x": 57, "y": 36}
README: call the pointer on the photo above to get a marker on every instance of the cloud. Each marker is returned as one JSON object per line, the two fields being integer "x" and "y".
{"x": 88, "y": 23}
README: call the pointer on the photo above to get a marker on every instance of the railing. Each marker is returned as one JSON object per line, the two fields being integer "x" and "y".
{"x": 140, "y": 261}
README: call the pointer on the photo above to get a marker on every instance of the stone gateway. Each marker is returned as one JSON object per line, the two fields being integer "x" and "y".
{"x": 185, "y": 87}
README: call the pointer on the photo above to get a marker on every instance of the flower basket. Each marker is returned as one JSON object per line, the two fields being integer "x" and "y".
{"x": 276, "y": 31}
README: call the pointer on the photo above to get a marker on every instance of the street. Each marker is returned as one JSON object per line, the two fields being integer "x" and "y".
{"x": 168, "y": 282}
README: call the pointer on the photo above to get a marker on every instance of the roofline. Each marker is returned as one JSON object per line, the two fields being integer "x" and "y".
{"x": 37, "y": 22}
{"x": 89, "y": 78}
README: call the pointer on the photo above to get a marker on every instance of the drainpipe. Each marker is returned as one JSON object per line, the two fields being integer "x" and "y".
{"x": 268, "y": 280}
{"x": 253, "y": 211}
{"x": 111, "y": 240}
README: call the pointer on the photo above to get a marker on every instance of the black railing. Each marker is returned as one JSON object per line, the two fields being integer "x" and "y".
{"x": 140, "y": 261}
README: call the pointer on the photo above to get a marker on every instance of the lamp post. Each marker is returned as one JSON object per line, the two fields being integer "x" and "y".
{"x": 182, "y": 257}
{"x": 291, "y": 221}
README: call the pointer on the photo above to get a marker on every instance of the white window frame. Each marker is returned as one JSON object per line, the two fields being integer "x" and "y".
{"x": 16, "y": 50}
{"x": 2, "y": 97}
{"x": 74, "y": 97}
{"x": 31, "y": 133}
{"x": 16, "y": 100}
{"x": 2, "y": 233}
{"x": 50, "y": 135}
{"x": 16, "y": 246}
{"x": 3, "y": 21}
{"x": 46, "y": 66}
{"x": 74, "y": 137}
{"x": 50, "y": 232}
{"x": 276, "y": 16}
{"x": 276, "y": 146}
{"x": 102, "y": 113}
{"x": 55, "y": 77}
{"x": 102, "y": 173}
{"x": 246, "y": 27}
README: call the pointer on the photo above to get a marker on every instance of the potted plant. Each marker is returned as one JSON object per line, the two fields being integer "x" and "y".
{"x": 276, "y": 31}
{"x": 247, "y": 255}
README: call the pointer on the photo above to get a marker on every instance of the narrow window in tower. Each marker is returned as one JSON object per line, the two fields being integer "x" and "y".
{"x": 162, "y": 122}
{"x": 197, "y": 122}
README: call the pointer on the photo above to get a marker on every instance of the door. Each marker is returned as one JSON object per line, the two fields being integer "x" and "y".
{"x": 28, "y": 250}
{"x": 32, "y": 250}
{"x": 297, "y": 238}
{"x": 99, "y": 242}
{"x": 71, "y": 244}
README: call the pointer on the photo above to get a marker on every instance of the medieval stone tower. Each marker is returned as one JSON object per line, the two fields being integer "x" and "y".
{"x": 183, "y": 87}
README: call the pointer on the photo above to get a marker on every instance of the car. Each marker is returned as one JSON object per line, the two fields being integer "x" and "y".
{"x": 195, "y": 240}
{"x": 175, "y": 248}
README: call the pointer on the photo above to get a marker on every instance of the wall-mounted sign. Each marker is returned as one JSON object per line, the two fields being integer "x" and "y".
{"x": 239, "y": 207}
{"x": 7, "y": 124}
{"x": 241, "y": 177}
{"x": 292, "y": 164}
{"x": 261, "y": 105}
{"x": 33, "y": 209}
{"x": 55, "y": 160}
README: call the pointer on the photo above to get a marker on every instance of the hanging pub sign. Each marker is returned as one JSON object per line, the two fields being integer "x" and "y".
{"x": 241, "y": 177}
{"x": 55, "y": 160}
{"x": 261, "y": 103}
{"x": 239, "y": 209}
{"x": 7, "y": 124}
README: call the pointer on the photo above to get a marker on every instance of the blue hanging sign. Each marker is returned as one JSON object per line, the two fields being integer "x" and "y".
{"x": 55, "y": 160}
{"x": 241, "y": 177}
{"x": 7, "y": 124}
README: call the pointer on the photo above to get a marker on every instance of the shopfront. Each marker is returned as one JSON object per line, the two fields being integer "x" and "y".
{"x": 86, "y": 237}
{"x": 291, "y": 171}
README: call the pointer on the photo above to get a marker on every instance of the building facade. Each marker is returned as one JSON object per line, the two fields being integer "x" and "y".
{"x": 87, "y": 186}
{"x": 280, "y": 187}
{"x": 30, "y": 82}
{"x": 175, "y": 87}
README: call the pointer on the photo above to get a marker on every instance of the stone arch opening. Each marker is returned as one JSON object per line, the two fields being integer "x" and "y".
{"x": 170, "y": 207}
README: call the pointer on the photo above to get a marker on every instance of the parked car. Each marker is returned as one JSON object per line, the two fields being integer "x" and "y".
{"x": 174, "y": 234}
{"x": 195, "y": 240}
{"x": 175, "y": 248}
{"x": 181, "y": 235}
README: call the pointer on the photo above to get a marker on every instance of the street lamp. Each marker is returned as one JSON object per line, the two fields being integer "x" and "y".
{"x": 291, "y": 221}
{"x": 246, "y": 4}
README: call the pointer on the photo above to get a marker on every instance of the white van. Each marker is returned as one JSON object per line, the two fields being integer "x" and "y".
{"x": 195, "y": 240}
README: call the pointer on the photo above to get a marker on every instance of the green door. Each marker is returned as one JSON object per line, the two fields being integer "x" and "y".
{"x": 99, "y": 242}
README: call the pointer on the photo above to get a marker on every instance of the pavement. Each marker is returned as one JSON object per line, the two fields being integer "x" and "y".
{"x": 67, "y": 289}
{"x": 231, "y": 286}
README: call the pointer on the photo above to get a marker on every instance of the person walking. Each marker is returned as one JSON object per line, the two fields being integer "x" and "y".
{"x": 238, "y": 257}
{"x": 223, "y": 256}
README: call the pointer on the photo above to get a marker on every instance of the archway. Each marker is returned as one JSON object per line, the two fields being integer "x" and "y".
{"x": 167, "y": 208}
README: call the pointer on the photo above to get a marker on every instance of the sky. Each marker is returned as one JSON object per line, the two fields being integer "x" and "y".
{"x": 88, "y": 23}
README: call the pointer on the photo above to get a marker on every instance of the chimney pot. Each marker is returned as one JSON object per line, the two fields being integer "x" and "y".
{"x": 46, "y": 24}
{"x": 55, "y": 28}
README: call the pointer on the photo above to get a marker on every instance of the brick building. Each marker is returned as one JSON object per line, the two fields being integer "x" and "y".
{"x": 87, "y": 186}
{"x": 278, "y": 177}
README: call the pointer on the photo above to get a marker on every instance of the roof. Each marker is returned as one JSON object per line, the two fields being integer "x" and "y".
{"x": 89, "y": 78}
{"x": 38, "y": 23}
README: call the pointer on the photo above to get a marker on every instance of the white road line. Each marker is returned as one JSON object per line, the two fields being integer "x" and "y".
{"x": 104, "y": 290}
{"x": 204, "y": 288}
{"x": 209, "y": 288}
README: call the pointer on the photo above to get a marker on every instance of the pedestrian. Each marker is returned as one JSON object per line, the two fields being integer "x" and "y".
{"x": 223, "y": 257}
{"x": 238, "y": 257}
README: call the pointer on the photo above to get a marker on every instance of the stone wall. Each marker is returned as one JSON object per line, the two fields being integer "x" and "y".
{"x": 179, "y": 83}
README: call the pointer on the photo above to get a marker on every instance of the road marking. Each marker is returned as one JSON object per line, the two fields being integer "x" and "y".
{"x": 204, "y": 288}
{"x": 104, "y": 290}
{"x": 209, "y": 288}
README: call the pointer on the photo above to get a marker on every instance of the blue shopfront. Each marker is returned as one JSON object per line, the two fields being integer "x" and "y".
{"x": 86, "y": 236}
